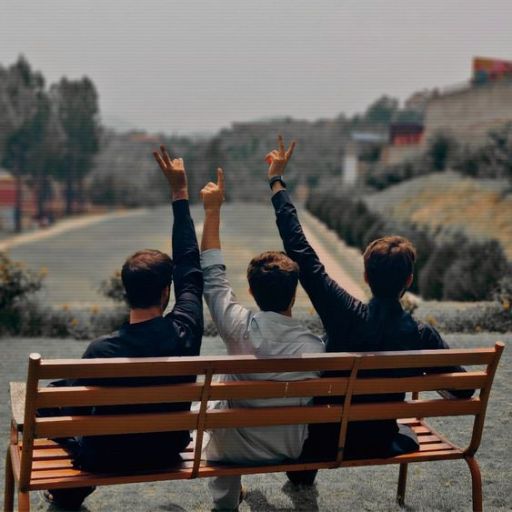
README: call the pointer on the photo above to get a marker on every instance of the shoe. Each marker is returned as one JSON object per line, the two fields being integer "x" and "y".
{"x": 304, "y": 478}
{"x": 67, "y": 499}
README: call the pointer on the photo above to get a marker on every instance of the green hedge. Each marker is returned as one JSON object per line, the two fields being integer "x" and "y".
{"x": 451, "y": 267}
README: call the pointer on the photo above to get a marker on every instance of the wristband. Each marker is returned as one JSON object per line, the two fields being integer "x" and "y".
{"x": 274, "y": 179}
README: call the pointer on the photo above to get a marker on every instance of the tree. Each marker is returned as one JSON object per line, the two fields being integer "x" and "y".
{"x": 441, "y": 148}
{"x": 382, "y": 110}
{"x": 24, "y": 145}
{"x": 78, "y": 113}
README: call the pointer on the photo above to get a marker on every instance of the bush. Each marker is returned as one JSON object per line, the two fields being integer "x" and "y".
{"x": 17, "y": 284}
{"x": 476, "y": 272}
{"x": 113, "y": 288}
{"x": 431, "y": 278}
{"x": 441, "y": 149}
{"x": 451, "y": 268}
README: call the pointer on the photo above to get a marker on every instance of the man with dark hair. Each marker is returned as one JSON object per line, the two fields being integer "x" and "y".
{"x": 147, "y": 276}
{"x": 272, "y": 331}
{"x": 380, "y": 325}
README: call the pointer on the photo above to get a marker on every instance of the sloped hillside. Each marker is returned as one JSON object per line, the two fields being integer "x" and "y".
{"x": 479, "y": 208}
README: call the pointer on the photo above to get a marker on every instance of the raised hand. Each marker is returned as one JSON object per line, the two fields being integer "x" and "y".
{"x": 174, "y": 171}
{"x": 278, "y": 158}
{"x": 212, "y": 194}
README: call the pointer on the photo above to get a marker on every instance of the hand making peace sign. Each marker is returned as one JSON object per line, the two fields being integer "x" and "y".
{"x": 174, "y": 171}
{"x": 278, "y": 158}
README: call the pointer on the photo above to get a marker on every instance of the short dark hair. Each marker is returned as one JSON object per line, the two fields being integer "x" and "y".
{"x": 273, "y": 279}
{"x": 145, "y": 275}
{"x": 388, "y": 263}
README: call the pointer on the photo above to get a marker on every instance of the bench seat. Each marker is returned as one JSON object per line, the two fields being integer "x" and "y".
{"x": 52, "y": 464}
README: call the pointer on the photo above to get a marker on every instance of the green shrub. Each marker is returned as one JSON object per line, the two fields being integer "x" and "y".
{"x": 474, "y": 275}
{"x": 17, "y": 285}
{"x": 431, "y": 277}
{"x": 113, "y": 288}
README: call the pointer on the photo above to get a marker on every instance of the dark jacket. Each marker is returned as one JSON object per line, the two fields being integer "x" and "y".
{"x": 352, "y": 326}
{"x": 179, "y": 333}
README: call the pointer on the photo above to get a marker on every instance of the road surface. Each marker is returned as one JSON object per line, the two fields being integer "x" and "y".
{"x": 80, "y": 254}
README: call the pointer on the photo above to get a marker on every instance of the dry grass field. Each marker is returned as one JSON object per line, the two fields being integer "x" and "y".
{"x": 480, "y": 208}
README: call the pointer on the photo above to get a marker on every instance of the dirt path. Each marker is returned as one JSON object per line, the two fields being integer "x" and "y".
{"x": 332, "y": 251}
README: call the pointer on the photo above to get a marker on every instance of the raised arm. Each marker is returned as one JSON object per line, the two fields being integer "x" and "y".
{"x": 230, "y": 317}
{"x": 187, "y": 314}
{"x": 331, "y": 301}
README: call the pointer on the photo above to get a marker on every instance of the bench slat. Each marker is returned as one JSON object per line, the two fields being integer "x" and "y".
{"x": 420, "y": 408}
{"x": 427, "y": 358}
{"x": 180, "y": 366}
{"x": 374, "y": 386}
{"x": 277, "y": 389}
{"x": 89, "y": 395}
{"x": 69, "y": 426}
{"x": 78, "y": 396}
{"x": 269, "y": 416}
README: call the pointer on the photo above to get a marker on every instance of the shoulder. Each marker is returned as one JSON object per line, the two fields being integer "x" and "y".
{"x": 102, "y": 346}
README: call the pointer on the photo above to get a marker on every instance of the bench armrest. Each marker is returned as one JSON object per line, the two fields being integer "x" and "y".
{"x": 17, "y": 392}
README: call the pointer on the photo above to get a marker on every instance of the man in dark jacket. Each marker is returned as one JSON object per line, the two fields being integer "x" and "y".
{"x": 147, "y": 276}
{"x": 380, "y": 325}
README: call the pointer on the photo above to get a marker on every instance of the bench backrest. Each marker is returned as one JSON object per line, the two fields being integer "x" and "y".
{"x": 207, "y": 388}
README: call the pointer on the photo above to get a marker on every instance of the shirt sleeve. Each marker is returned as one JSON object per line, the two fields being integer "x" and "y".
{"x": 231, "y": 318}
{"x": 333, "y": 303}
{"x": 187, "y": 314}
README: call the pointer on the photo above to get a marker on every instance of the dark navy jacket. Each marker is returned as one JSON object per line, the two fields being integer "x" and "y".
{"x": 179, "y": 333}
{"x": 352, "y": 326}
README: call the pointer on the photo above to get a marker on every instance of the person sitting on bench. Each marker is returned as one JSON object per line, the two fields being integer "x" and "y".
{"x": 147, "y": 276}
{"x": 272, "y": 331}
{"x": 352, "y": 326}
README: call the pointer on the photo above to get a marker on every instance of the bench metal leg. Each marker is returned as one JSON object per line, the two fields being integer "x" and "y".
{"x": 9, "y": 483}
{"x": 476, "y": 484}
{"x": 402, "y": 483}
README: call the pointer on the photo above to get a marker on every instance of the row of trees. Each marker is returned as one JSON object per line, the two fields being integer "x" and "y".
{"x": 52, "y": 133}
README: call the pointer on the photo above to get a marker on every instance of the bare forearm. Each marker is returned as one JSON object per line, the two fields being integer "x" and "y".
{"x": 211, "y": 230}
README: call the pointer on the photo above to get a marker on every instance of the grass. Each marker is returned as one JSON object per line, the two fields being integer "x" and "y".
{"x": 480, "y": 208}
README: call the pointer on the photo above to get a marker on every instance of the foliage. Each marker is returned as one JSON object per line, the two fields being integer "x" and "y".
{"x": 78, "y": 113}
{"x": 382, "y": 110}
{"x": 113, "y": 288}
{"x": 493, "y": 159}
{"x": 503, "y": 291}
{"x": 475, "y": 272}
{"x": 17, "y": 284}
{"x": 448, "y": 266}
{"x": 441, "y": 148}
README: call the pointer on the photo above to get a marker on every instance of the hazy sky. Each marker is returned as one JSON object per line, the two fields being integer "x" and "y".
{"x": 196, "y": 66}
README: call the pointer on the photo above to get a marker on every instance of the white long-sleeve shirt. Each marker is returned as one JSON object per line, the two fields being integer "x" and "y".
{"x": 262, "y": 334}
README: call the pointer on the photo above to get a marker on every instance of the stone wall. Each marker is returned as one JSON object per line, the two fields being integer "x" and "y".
{"x": 469, "y": 112}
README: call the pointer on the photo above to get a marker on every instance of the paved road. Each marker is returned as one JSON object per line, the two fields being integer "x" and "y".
{"x": 78, "y": 259}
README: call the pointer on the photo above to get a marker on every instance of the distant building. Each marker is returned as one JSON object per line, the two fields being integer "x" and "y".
{"x": 352, "y": 165}
{"x": 8, "y": 201}
{"x": 470, "y": 110}
{"x": 405, "y": 143}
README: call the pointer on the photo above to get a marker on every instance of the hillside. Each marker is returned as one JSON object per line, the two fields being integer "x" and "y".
{"x": 479, "y": 208}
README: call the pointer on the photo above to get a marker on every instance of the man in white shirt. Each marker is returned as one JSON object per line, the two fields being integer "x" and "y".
{"x": 272, "y": 331}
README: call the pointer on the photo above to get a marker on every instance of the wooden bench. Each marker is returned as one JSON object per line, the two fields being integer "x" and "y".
{"x": 34, "y": 462}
